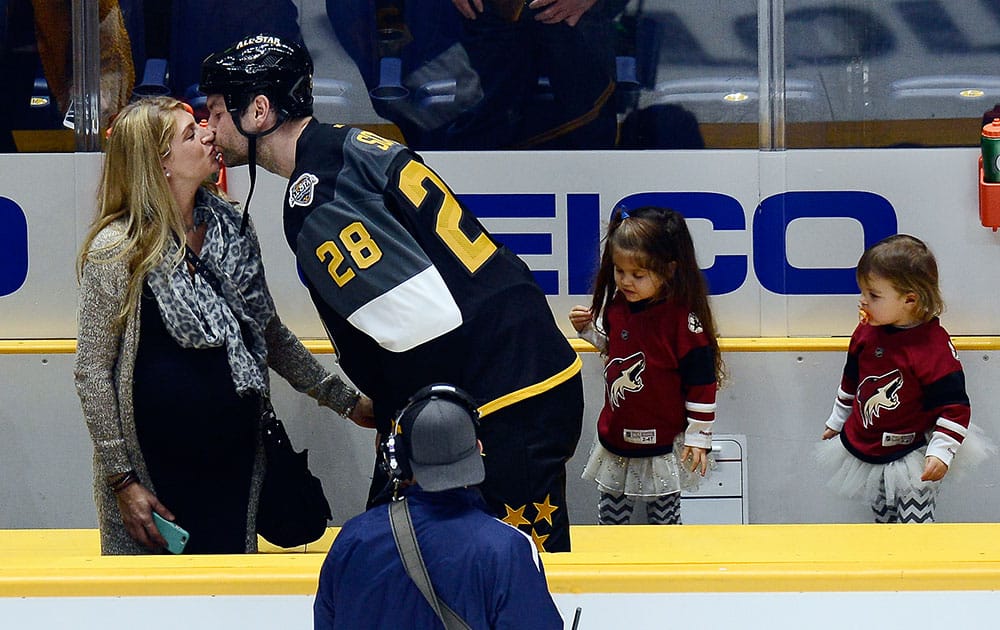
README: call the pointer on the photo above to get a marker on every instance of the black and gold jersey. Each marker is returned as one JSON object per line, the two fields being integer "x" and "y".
{"x": 411, "y": 287}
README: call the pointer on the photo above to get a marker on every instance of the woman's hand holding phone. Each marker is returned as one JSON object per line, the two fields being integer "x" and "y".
{"x": 174, "y": 535}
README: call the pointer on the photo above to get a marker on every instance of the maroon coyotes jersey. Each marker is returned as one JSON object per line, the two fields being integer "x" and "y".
{"x": 660, "y": 371}
{"x": 906, "y": 384}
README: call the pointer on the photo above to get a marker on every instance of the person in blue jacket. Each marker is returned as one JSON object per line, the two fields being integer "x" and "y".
{"x": 487, "y": 572}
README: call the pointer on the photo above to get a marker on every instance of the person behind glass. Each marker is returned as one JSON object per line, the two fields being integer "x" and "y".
{"x": 651, "y": 319}
{"x": 171, "y": 370}
{"x": 411, "y": 287}
{"x": 510, "y": 44}
{"x": 487, "y": 572}
{"x": 902, "y": 412}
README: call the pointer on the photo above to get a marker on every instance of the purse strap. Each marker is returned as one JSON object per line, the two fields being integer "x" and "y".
{"x": 266, "y": 410}
{"x": 206, "y": 273}
{"x": 413, "y": 562}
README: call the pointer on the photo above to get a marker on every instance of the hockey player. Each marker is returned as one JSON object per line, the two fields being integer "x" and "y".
{"x": 411, "y": 287}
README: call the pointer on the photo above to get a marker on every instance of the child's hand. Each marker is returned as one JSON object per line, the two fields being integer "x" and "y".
{"x": 934, "y": 469}
{"x": 698, "y": 458}
{"x": 829, "y": 433}
{"x": 580, "y": 316}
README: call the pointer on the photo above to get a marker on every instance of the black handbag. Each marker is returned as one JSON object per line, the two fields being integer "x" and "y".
{"x": 293, "y": 509}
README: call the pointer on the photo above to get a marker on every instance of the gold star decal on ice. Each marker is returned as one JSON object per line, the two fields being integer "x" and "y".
{"x": 545, "y": 510}
{"x": 539, "y": 539}
{"x": 515, "y": 517}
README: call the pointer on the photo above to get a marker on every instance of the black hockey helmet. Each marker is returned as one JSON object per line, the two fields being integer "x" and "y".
{"x": 261, "y": 64}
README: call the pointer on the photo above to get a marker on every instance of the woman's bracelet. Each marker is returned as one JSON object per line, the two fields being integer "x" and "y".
{"x": 125, "y": 480}
{"x": 349, "y": 408}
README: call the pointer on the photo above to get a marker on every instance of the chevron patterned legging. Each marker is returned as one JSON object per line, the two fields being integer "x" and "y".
{"x": 616, "y": 509}
{"x": 915, "y": 506}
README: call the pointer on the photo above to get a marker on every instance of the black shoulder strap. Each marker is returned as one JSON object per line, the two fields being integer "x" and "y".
{"x": 206, "y": 273}
{"x": 413, "y": 562}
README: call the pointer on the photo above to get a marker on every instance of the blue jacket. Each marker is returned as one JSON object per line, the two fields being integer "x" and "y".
{"x": 486, "y": 571}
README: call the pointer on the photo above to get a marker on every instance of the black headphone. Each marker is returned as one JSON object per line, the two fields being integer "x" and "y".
{"x": 393, "y": 459}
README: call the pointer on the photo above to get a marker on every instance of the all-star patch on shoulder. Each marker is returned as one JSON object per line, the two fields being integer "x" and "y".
{"x": 300, "y": 193}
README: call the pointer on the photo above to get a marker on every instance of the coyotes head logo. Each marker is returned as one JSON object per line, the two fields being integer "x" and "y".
{"x": 623, "y": 376}
{"x": 876, "y": 393}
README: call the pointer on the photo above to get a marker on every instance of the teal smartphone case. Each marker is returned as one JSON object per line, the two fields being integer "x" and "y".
{"x": 175, "y": 535}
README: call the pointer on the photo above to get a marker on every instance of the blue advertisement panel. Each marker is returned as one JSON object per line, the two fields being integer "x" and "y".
{"x": 13, "y": 247}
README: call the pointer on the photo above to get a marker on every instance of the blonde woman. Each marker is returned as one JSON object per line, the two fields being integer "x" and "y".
{"x": 170, "y": 369}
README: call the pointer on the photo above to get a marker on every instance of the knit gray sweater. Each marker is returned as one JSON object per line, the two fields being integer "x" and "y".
{"x": 105, "y": 361}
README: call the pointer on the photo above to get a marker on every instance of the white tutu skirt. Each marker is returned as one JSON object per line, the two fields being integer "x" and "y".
{"x": 850, "y": 477}
{"x": 642, "y": 478}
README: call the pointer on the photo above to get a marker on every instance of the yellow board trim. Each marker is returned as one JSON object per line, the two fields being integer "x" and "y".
{"x": 626, "y": 559}
{"x": 808, "y": 344}
{"x": 37, "y": 346}
{"x": 532, "y": 390}
{"x": 726, "y": 344}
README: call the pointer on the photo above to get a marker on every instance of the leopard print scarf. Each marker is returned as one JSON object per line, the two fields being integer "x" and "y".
{"x": 199, "y": 317}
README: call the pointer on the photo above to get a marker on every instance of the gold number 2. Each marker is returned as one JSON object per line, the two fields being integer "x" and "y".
{"x": 471, "y": 252}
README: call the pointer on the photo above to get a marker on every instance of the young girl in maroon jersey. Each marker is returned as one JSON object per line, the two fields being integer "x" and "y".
{"x": 902, "y": 411}
{"x": 651, "y": 319}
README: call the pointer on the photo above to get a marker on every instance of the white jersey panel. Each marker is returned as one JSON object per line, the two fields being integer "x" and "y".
{"x": 411, "y": 313}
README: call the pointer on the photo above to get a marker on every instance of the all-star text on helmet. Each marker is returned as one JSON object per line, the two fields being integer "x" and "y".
{"x": 261, "y": 64}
